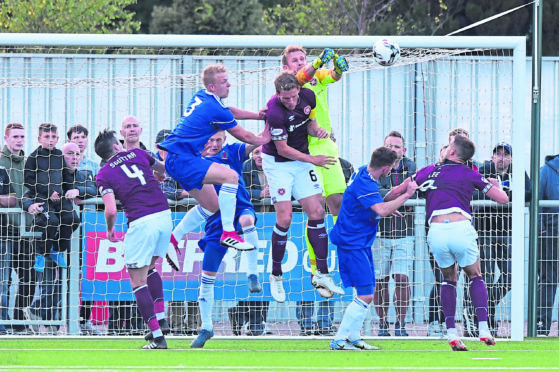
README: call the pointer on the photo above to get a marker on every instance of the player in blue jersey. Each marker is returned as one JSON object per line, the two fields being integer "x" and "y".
{"x": 449, "y": 187}
{"x": 232, "y": 156}
{"x": 204, "y": 116}
{"x": 354, "y": 233}
{"x": 128, "y": 177}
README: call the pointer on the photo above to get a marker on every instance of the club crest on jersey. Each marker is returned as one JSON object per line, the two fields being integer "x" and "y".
{"x": 281, "y": 191}
{"x": 307, "y": 110}
{"x": 224, "y": 155}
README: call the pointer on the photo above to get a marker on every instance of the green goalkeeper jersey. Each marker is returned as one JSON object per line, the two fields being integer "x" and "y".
{"x": 319, "y": 85}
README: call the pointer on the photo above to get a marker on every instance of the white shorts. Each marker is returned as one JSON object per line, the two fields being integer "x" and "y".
{"x": 453, "y": 242}
{"x": 147, "y": 237}
{"x": 393, "y": 255}
{"x": 289, "y": 178}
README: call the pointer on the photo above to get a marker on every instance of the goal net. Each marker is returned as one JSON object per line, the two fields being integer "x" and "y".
{"x": 438, "y": 84}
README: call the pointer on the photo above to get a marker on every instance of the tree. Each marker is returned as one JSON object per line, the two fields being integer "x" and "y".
{"x": 67, "y": 16}
{"x": 361, "y": 17}
{"x": 144, "y": 9}
{"x": 220, "y": 17}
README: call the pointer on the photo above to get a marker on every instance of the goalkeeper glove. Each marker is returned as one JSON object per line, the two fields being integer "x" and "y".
{"x": 323, "y": 58}
{"x": 340, "y": 64}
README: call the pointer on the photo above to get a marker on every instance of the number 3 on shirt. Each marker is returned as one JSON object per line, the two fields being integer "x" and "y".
{"x": 191, "y": 108}
{"x": 134, "y": 173}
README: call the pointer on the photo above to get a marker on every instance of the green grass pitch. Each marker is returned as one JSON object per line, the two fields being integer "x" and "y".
{"x": 274, "y": 355}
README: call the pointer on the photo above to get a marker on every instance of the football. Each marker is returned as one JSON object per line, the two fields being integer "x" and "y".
{"x": 386, "y": 52}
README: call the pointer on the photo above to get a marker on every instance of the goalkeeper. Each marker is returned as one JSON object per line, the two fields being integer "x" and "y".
{"x": 317, "y": 77}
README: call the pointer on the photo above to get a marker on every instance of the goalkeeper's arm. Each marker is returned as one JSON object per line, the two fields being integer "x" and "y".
{"x": 306, "y": 73}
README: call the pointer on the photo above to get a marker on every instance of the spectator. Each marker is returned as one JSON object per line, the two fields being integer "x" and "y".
{"x": 7, "y": 199}
{"x": 549, "y": 254}
{"x": 131, "y": 130}
{"x": 252, "y": 312}
{"x": 493, "y": 225}
{"x": 79, "y": 135}
{"x": 54, "y": 214}
{"x": 184, "y": 317}
{"x": 79, "y": 184}
{"x": 394, "y": 251}
{"x": 22, "y": 255}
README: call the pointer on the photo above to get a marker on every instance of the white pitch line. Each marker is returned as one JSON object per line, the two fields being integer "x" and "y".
{"x": 288, "y": 368}
{"x": 286, "y": 350}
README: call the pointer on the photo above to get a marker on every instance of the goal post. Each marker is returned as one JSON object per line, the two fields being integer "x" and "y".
{"x": 440, "y": 83}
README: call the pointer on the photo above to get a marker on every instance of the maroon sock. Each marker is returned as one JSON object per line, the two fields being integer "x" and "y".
{"x": 478, "y": 292}
{"x": 145, "y": 307}
{"x": 448, "y": 302}
{"x": 155, "y": 286}
{"x": 279, "y": 240}
{"x": 318, "y": 237}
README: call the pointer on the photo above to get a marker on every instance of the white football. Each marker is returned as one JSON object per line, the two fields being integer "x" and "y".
{"x": 386, "y": 52}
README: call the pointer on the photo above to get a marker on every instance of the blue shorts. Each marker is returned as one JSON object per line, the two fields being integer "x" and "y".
{"x": 210, "y": 243}
{"x": 189, "y": 171}
{"x": 357, "y": 269}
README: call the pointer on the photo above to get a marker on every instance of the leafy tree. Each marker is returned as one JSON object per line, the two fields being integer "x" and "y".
{"x": 144, "y": 9}
{"x": 361, "y": 17}
{"x": 221, "y": 17}
{"x": 67, "y": 16}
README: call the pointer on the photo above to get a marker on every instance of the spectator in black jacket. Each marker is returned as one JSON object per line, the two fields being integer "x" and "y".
{"x": 54, "y": 213}
{"x": 78, "y": 184}
{"x": 494, "y": 224}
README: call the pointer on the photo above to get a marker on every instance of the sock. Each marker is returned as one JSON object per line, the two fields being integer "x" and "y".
{"x": 251, "y": 236}
{"x": 279, "y": 240}
{"x": 312, "y": 257}
{"x": 155, "y": 287}
{"x": 206, "y": 301}
{"x": 145, "y": 307}
{"x": 227, "y": 200}
{"x": 352, "y": 322}
{"x": 448, "y": 302}
{"x": 318, "y": 237}
{"x": 478, "y": 292}
{"x": 191, "y": 221}
{"x": 452, "y": 334}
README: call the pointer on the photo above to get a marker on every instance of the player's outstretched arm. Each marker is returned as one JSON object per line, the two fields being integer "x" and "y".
{"x": 245, "y": 136}
{"x": 305, "y": 74}
{"x": 496, "y": 193}
{"x": 340, "y": 66}
{"x": 240, "y": 114}
{"x": 389, "y": 207}
{"x": 397, "y": 190}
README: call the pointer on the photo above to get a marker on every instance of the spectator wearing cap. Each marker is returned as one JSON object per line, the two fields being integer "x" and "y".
{"x": 494, "y": 224}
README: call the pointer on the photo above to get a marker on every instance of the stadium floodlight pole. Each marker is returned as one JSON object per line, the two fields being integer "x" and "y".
{"x": 535, "y": 168}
